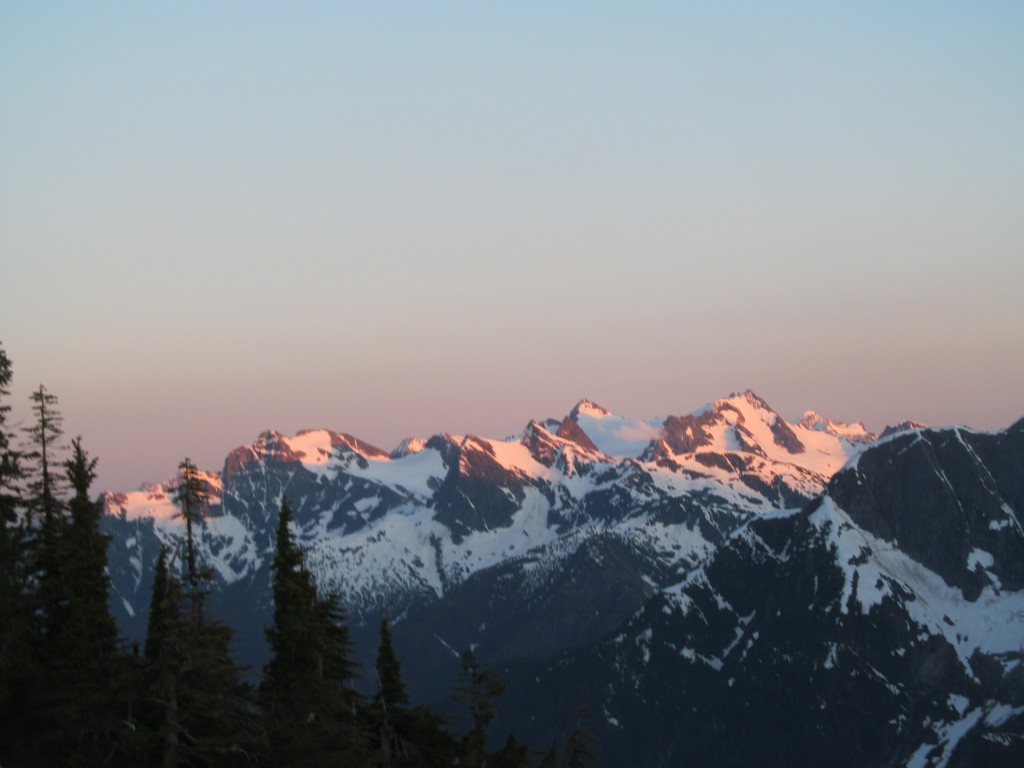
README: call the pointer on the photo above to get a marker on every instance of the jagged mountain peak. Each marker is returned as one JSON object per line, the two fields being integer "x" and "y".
{"x": 318, "y": 445}
{"x": 554, "y": 441}
{"x": 751, "y": 397}
{"x": 741, "y": 422}
{"x": 855, "y": 431}
{"x": 903, "y": 426}
{"x": 408, "y": 446}
{"x": 741, "y": 406}
{"x": 309, "y": 447}
{"x": 587, "y": 407}
{"x": 598, "y": 429}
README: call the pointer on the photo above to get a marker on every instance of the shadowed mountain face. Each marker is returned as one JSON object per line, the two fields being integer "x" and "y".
{"x": 706, "y": 581}
{"x": 947, "y": 506}
{"x": 880, "y": 625}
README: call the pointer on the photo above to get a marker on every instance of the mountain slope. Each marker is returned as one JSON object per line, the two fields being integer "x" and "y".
{"x": 881, "y": 625}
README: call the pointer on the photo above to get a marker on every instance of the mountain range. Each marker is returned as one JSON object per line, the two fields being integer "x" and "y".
{"x": 722, "y": 588}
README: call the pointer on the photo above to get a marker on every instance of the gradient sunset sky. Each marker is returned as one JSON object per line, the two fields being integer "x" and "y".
{"x": 393, "y": 219}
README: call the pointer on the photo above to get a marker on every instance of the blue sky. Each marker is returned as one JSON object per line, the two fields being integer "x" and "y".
{"x": 398, "y": 218}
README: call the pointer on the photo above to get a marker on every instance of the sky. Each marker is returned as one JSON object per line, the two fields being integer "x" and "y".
{"x": 396, "y": 219}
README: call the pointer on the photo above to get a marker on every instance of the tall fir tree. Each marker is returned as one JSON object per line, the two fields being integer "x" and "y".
{"x": 45, "y": 482}
{"x": 165, "y": 655}
{"x": 579, "y": 748}
{"x": 61, "y": 687}
{"x": 476, "y": 688}
{"x": 191, "y": 497}
{"x": 45, "y": 518}
{"x": 402, "y": 735}
{"x": 387, "y": 719}
{"x": 89, "y": 619}
{"x": 310, "y": 708}
{"x": 511, "y": 755}
{"x": 197, "y": 699}
{"x": 15, "y": 610}
{"x": 336, "y": 663}
{"x": 43, "y": 529}
{"x": 550, "y": 759}
{"x": 197, "y": 707}
{"x": 80, "y": 715}
{"x": 10, "y": 457}
{"x": 88, "y": 670}
{"x": 46, "y": 521}
{"x": 391, "y": 692}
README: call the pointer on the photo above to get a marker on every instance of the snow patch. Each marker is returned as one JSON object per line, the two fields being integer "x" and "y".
{"x": 618, "y": 436}
{"x": 993, "y": 624}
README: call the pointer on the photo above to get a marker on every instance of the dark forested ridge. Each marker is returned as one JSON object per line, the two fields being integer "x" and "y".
{"x": 696, "y": 605}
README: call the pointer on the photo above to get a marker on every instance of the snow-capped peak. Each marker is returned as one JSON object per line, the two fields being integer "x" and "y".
{"x": 744, "y": 423}
{"x": 737, "y": 401}
{"x": 156, "y": 500}
{"x": 312, "y": 446}
{"x": 855, "y": 432}
{"x": 610, "y": 434}
{"x": 813, "y": 420}
{"x": 589, "y": 408}
{"x": 408, "y": 447}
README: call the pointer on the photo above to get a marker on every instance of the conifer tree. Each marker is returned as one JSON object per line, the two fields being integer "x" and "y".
{"x": 45, "y": 513}
{"x": 83, "y": 690}
{"x": 579, "y": 748}
{"x": 86, "y": 655}
{"x": 476, "y": 687}
{"x": 162, "y": 607}
{"x": 197, "y": 706}
{"x": 294, "y": 655}
{"x": 165, "y": 657}
{"x": 43, "y": 527}
{"x": 10, "y": 458}
{"x": 550, "y": 759}
{"x": 403, "y": 735}
{"x": 216, "y": 716}
{"x": 511, "y": 755}
{"x": 336, "y": 660}
{"x": 89, "y": 618}
{"x": 310, "y": 710}
{"x": 425, "y": 741}
{"x": 191, "y": 498}
{"x": 221, "y": 726}
{"x": 88, "y": 623}
{"x": 60, "y": 687}
{"x": 44, "y": 481}
{"x": 15, "y": 624}
{"x": 389, "y": 704}
{"x": 392, "y": 693}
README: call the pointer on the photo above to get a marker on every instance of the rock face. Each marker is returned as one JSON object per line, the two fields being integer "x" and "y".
{"x": 949, "y": 508}
{"x": 882, "y": 624}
